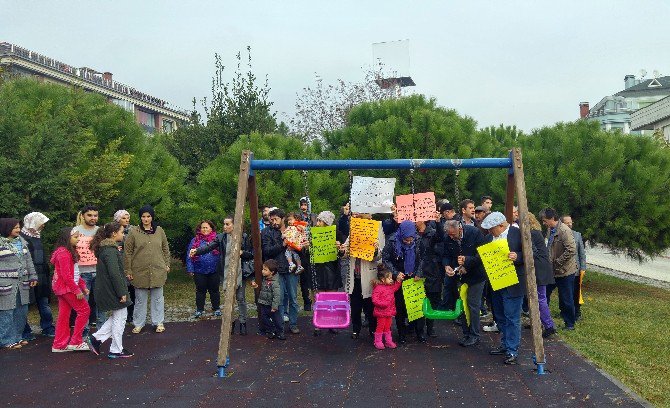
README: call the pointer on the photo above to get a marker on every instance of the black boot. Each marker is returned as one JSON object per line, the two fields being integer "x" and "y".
{"x": 401, "y": 335}
{"x": 232, "y": 327}
{"x": 243, "y": 329}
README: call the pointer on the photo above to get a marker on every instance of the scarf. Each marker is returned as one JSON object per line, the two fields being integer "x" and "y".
{"x": 14, "y": 245}
{"x": 406, "y": 251}
{"x": 119, "y": 214}
{"x": 32, "y": 222}
{"x": 207, "y": 238}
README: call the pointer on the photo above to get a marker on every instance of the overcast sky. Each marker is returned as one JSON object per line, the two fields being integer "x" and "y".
{"x": 524, "y": 63}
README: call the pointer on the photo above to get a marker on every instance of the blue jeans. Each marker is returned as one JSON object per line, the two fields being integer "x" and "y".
{"x": 46, "y": 319}
{"x": 100, "y": 317}
{"x": 289, "y": 300}
{"x": 566, "y": 291}
{"x": 12, "y": 323}
{"x": 508, "y": 318}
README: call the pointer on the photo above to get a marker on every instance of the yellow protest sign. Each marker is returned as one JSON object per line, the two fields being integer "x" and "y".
{"x": 363, "y": 235}
{"x": 323, "y": 246}
{"x": 499, "y": 268}
{"x": 414, "y": 293}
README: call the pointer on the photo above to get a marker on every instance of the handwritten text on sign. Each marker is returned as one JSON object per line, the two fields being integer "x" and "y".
{"x": 363, "y": 235}
{"x": 499, "y": 268}
{"x": 323, "y": 244}
{"x": 414, "y": 293}
{"x": 423, "y": 204}
{"x": 372, "y": 195}
{"x": 86, "y": 256}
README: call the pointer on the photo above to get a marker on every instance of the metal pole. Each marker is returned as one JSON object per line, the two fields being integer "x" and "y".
{"x": 500, "y": 163}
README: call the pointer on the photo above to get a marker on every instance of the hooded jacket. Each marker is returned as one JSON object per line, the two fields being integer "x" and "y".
{"x": 63, "y": 279}
{"x": 383, "y": 298}
{"x": 110, "y": 281}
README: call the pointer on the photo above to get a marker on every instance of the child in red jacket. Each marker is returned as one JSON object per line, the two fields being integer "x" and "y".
{"x": 70, "y": 289}
{"x": 383, "y": 298}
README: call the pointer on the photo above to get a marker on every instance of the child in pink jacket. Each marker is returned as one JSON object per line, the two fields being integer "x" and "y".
{"x": 383, "y": 299}
{"x": 70, "y": 289}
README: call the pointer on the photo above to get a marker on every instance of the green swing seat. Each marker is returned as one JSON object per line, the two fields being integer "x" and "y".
{"x": 429, "y": 313}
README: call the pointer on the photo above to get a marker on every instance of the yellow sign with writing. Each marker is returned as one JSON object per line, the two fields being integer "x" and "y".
{"x": 414, "y": 292}
{"x": 499, "y": 268}
{"x": 363, "y": 235}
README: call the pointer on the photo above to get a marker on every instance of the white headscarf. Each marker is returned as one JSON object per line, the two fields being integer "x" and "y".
{"x": 119, "y": 214}
{"x": 32, "y": 222}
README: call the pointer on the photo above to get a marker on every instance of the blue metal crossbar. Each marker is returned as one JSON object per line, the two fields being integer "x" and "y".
{"x": 491, "y": 163}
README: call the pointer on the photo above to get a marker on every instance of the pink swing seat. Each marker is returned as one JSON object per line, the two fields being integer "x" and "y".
{"x": 331, "y": 310}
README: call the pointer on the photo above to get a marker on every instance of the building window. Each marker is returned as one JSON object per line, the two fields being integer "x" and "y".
{"x": 127, "y": 105}
{"x": 147, "y": 119}
{"x": 168, "y": 126}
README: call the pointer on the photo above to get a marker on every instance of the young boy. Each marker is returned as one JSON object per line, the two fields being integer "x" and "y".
{"x": 270, "y": 320}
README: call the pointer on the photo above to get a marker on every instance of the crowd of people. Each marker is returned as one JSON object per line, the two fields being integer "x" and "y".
{"x": 109, "y": 275}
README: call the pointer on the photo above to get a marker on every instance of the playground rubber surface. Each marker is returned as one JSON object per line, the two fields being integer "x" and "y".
{"x": 177, "y": 369}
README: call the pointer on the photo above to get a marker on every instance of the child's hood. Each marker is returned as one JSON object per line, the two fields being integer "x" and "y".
{"x": 59, "y": 252}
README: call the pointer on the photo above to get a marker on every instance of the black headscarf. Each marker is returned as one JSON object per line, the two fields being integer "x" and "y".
{"x": 148, "y": 209}
{"x": 7, "y": 225}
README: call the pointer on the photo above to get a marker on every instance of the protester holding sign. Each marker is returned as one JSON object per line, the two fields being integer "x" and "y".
{"x": 507, "y": 301}
{"x": 460, "y": 258}
{"x": 361, "y": 272}
{"x": 401, "y": 256}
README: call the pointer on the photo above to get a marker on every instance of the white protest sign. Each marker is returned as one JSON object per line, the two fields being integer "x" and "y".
{"x": 372, "y": 195}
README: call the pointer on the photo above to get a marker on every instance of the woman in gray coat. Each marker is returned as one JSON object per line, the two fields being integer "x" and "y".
{"x": 17, "y": 276}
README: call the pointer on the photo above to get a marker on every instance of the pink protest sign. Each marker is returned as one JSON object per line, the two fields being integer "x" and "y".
{"x": 423, "y": 204}
{"x": 86, "y": 256}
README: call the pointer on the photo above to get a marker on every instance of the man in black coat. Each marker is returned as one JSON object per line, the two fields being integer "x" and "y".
{"x": 508, "y": 301}
{"x": 460, "y": 257}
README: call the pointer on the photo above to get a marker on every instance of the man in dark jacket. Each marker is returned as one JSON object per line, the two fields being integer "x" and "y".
{"x": 508, "y": 301}
{"x": 460, "y": 257}
{"x": 274, "y": 247}
{"x": 430, "y": 267}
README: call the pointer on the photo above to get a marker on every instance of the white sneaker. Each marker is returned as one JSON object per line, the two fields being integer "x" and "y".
{"x": 493, "y": 328}
{"x": 78, "y": 347}
{"x": 57, "y": 350}
{"x": 285, "y": 318}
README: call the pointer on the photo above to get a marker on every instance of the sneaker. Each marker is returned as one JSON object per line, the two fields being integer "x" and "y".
{"x": 94, "y": 345}
{"x": 498, "y": 351}
{"x": 197, "y": 314}
{"x": 123, "y": 354}
{"x": 217, "y": 313}
{"x": 137, "y": 329}
{"x": 546, "y": 333}
{"x": 294, "y": 330}
{"x": 493, "y": 328}
{"x": 511, "y": 360}
{"x": 285, "y": 318}
{"x": 49, "y": 333}
{"x": 57, "y": 350}
{"x": 281, "y": 337}
{"x": 569, "y": 328}
{"x": 78, "y": 347}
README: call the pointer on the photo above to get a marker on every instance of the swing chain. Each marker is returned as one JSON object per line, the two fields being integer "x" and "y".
{"x": 308, "y": 232}
{"x": 411, "y": 179}
{"x": 457, "y": 192}
{"x": 347, "y": 283}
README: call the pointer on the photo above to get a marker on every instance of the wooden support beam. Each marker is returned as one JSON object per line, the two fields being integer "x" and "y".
{"x": 509, "y": 195}
{"x": 528, "y": 261}
{"x": 255, "y": 233}
{"x": 233, "y": 268}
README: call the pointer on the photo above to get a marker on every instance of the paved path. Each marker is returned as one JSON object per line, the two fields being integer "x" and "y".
{"x": 657, "y": 269}
{"x": 176, "y": 369}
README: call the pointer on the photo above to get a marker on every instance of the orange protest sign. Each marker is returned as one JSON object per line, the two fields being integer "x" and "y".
{"x": 363, "y": 235}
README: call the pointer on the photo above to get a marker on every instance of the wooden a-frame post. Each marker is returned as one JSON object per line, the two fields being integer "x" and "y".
{"x": 233, "y": 268}
{"x": 516, "y": 183}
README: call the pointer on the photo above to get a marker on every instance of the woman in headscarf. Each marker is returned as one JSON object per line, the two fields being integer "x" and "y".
{"x": 123, "y": 218}
{"x": 147, "y": 263}
{"x": 401, "y": 256}
{"x": 33, "y": 224}
{"x": 17, "y": 276}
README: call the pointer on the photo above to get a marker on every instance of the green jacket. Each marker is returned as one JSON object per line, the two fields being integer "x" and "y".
{"x": 147, "y": 257}
{"x": 110, "y": 281}
{"x": 270, "y": 292}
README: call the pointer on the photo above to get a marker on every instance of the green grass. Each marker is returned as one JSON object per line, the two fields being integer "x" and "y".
{"x": 623, "y": 330}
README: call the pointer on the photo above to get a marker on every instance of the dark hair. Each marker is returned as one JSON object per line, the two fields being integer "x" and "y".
{"x": 211, "y": 225}
{"x": 549, "y": 214}
{"x": 148, "y": 209}
{"x": 63, "y": 240}
{"x": 103, "y": 233}
{"x": 7, "y": 226}
{"x": 272, "y": 265}
{"x": 484, "y": 198}
{"x": 277, "y": 212}
{"x": 446, "y": 207}
{"x": 87, "y": 208}
{"x": 382, "y": 272}
{"x": 464, "y": 203}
